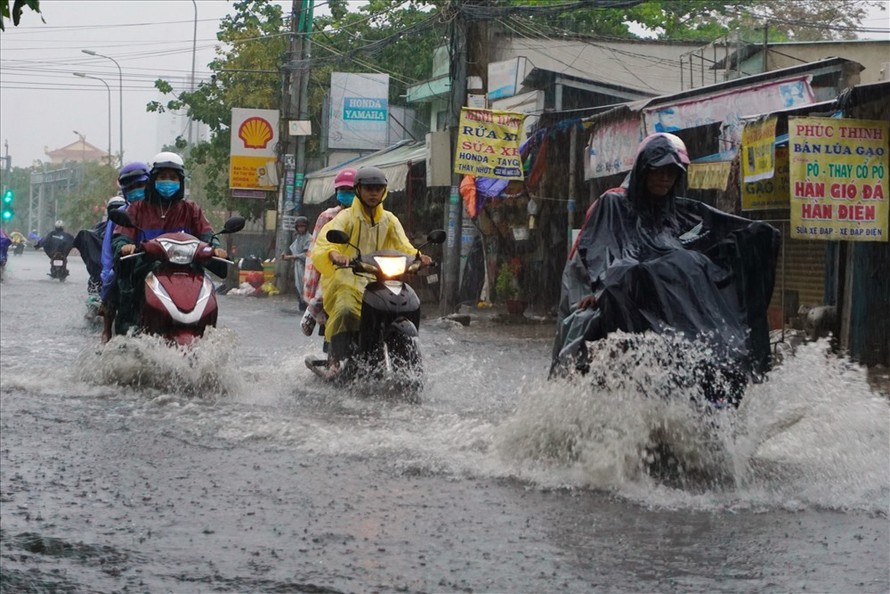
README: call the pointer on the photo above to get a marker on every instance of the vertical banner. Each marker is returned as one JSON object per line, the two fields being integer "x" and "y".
{"x": 613, "y": 147}
{"x": 488, "y": 144}
{"x": 769, "y": 194}
{"x": 758, "y": 149}
{"x": 359, "y": 111}
{"x": 838, "y": 170}
{"x": 252, "y": 160}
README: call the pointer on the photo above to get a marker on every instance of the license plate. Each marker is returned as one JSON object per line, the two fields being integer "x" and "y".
{"x": 58, "y": 262}
{"x": 432, "y": 279}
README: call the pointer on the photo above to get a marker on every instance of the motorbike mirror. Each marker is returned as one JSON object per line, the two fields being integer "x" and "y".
{"x": 337, "y": 236}
{"x": 120, "y": 217}
{"x": 233, "y": 225}
{"x": 437, "y": 236}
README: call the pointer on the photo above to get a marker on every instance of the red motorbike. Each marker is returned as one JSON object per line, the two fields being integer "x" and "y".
{"x": 179, "y": 296}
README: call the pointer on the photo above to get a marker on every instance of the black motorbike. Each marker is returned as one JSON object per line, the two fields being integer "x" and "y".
{"x": 386, "y": 348}
{"x": 58, "y": 266}
{"x": 18, "y": 248}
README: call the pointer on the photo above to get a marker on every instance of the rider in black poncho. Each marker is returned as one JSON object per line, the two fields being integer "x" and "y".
{"x": 647, "y": 259}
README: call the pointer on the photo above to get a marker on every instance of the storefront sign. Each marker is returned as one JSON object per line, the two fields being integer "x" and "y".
{"x": 758, "y": 149}
{"x": 838, "y": 177}
{"x": 359, "y": 111}
{"x": 252, "y": 160}
{"x": 709, "y": 176}
{"x": 729, "y": 107}
{"x": 772, "y": 193}
{"x": 488, "y": 144}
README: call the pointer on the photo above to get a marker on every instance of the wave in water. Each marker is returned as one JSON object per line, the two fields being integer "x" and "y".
{"x": 812, "y": 434}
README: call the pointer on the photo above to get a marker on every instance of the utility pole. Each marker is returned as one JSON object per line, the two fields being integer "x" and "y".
{"x": 451, "y": 254}
{"x": 295, "y": 107}
{"x": 469, "y": 57}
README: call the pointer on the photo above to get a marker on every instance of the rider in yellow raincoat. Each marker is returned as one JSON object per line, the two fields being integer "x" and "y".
{"x": 369, "y": 227}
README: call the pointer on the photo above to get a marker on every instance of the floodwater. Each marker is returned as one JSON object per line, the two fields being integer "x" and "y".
{"x": 140, "y": 468}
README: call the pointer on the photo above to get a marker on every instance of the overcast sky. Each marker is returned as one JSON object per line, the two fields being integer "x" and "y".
{"x": 42, "y": 103}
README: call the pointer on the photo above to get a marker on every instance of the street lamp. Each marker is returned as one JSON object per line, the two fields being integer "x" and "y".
{"x": 192, "y": 85}
{"x": 83, "y": 145}
{"x": 120, "y": 75}
{"x": 82, "y": 75}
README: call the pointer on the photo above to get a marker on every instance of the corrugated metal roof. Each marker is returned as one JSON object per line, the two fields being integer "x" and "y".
{"x": 395, "y": 161}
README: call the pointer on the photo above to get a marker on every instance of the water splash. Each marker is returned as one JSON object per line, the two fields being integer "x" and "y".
{"x": 813, "y": 434}
{"x": 149, "y": 362}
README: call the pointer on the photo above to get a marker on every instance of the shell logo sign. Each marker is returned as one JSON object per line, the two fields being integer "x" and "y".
{"x": 256, "y": 132}
{"x": 253, "y": 164}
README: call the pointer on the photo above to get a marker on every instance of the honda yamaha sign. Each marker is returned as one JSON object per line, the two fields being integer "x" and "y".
{"x": 359, "y": 111}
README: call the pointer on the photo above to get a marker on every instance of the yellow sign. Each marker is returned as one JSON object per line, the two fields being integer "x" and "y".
{"x": 258, "y": 173}
{"x": 838, "y": 177}
{"x": 769, "y": 194}
{"x": 252, "y": 157}
{"x": 488, "y": 144}
{"x": 709, "y": 176}
{"x": 758, "y": 149}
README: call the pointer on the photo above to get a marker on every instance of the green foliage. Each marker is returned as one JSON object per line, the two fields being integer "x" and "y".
{"x": 85, "y": 205}
{"x": 15, "y": 13}
{"x": 706, "y": 20}
{"x": 506, "y": 285}
{"x": 246, "y": 74}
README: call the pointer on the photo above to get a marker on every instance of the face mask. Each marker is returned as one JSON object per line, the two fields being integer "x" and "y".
{"x": 345, "y": 197}
{"x": 167, "y": 188}
{"x": 135, "y": 195}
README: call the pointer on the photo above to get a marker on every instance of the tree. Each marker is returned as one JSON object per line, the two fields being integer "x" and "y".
{"x": 16, "y": 13}
{"x": 247, "y": 71}
{"x": 246, "y": 74}
{"x": 85, "y": 205}
{"x": 706, "y": 20}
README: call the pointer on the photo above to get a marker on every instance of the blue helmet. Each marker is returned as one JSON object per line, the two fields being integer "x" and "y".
{"x": 131, "y": 174}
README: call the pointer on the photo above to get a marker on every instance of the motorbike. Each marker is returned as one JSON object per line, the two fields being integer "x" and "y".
{"x": 386, "y": 346}
{"x": 179, "y": 298}
{"x": 58, "y": 266}
{"x": 18, "y": 248}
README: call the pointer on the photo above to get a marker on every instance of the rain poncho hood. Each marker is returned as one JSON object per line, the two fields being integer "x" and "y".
{"x": 661, "y": 263}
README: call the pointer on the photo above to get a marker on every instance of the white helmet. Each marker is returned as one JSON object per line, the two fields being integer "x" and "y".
{"x": 114, "y": 203}
{"x": 59, "y": 224}
{"x": 168, "y": 160}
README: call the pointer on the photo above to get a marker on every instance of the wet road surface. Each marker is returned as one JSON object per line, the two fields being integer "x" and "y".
{"x": 139, "y": 468}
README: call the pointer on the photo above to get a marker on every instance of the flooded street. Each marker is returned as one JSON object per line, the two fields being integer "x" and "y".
{"x": 140, "y": 468}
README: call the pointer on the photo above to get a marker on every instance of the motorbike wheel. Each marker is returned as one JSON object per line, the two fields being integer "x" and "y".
{"x": 406, "y": 365}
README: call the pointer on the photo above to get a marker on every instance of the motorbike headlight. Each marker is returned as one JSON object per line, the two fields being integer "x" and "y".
{"x": 179, "y": 252}
{"x": 391, "y": 265}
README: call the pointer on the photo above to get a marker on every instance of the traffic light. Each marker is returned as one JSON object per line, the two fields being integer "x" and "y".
{"x": 8, "y": 212}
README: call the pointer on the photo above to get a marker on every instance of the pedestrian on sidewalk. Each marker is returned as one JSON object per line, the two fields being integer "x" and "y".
{"x": 298, "y": 250}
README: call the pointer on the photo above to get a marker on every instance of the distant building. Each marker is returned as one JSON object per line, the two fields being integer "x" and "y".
{"x": 80, "y": 151}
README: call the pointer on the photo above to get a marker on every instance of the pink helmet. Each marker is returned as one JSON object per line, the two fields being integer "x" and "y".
{"x": 345, "y": 178}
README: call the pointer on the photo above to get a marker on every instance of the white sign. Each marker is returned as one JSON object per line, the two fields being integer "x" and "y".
{"x": 359, "y": 111}
{"x": 299, "y": 128}
{"x": 505, "y": 78}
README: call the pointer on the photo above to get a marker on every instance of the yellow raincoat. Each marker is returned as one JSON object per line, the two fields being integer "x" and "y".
{"x": 341, "y": 288}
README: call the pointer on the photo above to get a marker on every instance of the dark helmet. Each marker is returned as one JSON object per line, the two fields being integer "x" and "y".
{"x": 370, "y": 176}
{"x": 131, "y": 174}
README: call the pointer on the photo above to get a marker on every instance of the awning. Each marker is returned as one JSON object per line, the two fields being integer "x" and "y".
{"x": 395, "y": 161}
